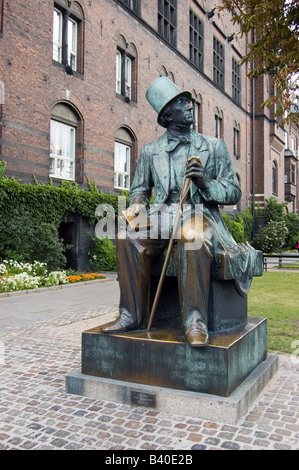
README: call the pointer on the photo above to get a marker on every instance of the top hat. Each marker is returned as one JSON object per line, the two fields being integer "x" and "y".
{"x": 161, "y": 92}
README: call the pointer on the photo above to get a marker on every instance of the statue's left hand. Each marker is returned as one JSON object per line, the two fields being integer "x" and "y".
{"x": 195, "y": 171}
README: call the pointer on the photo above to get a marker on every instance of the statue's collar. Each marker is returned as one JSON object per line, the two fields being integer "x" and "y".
{"x": 175, "y": 138}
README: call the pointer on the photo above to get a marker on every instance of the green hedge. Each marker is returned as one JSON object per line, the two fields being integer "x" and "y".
{"x": 30, "y": 216}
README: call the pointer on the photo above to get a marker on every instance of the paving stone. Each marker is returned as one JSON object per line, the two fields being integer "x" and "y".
{"x": 37, "y": 414}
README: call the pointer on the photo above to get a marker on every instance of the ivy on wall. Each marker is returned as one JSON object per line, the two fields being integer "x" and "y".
{"x": 46, "y": 205}
{"x": 49, "y": 203}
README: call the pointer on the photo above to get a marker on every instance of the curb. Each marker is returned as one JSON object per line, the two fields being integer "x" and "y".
{"x": 51, "y": 288}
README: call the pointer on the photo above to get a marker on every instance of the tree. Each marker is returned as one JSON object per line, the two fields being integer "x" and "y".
{"x": 272, "y": 27}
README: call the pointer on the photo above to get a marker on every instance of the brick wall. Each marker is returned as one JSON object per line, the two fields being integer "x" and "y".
{"x": 33, "y": 85}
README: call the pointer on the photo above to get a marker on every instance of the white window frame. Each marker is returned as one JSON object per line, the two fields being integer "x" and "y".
{"x": 72, "y": 43}
{"x": 122, "y": 162}
{"x": 62, "y": 151}
{"x": 123, "y": 75}
{"x": 128, "y": 77}
{"x": 118, "y": 72}
{"x": 57, "y": 35}
{"x": 72, "y": 39}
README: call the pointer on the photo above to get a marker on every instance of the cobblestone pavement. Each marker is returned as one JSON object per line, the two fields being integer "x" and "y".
{"x": 37, "y": 414}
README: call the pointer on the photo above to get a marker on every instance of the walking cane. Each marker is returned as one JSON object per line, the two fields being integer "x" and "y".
{"x": 183, "y": 197}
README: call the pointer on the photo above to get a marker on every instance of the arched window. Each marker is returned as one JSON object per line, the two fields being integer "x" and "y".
{"x": 68, "y": 24}
{"x": 64, "y": 134}
{"x": 123, "y": 151}
{"x": 218, "y": 123}
{"x": 164, "y": 73}
{"x": 126, "y": 70}
{"x": 197, "y": 111}
{"x": 237, "y": 141}
{"x": 274, "y": 177}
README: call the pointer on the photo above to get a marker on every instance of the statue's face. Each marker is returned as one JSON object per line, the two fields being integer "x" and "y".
{"x": 180, "y": 111}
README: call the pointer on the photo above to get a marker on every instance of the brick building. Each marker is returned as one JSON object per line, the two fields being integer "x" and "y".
{"x": 73, "y": 78}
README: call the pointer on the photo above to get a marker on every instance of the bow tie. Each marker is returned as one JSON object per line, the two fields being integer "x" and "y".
{"x": 174, "y": 142}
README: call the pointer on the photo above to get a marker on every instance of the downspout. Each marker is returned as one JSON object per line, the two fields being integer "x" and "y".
{"x": 253, "y": 148}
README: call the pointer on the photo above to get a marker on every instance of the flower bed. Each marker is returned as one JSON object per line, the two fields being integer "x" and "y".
{"x": 16, "y": 276}
{"x": 85, "y": 277}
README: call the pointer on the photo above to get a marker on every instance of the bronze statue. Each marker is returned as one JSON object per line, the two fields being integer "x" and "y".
{"x": 203, "y": 238}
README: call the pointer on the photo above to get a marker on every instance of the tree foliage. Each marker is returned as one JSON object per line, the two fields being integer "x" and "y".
{"x": 272, "y": 27}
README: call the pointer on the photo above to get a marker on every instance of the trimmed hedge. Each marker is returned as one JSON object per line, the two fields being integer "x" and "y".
{"x": 35, "y": 211}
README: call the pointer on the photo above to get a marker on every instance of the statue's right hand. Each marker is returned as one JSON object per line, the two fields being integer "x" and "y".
{"x": 134, "y": 210}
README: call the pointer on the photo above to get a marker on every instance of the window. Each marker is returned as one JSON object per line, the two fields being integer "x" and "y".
{"x": 1, "y": 16}
{"x": 167, "y": 20}
{"x": 237, "y": 150}
{"x": 293, "y": 173}
{"x": 62, "y": 150}
{"x": 123, "y": 75}
{"x": 124, "y": 157}
{"x": 57, "y": 35}
{"x": 134, "y": 5}
{"x": 68, "y": 37}
{"x": 236, "y": 81}
{"x": 196, "y": 41}
{"x": 66, "y": 142}
{"x": 197, "y": 112}
{"x": 126, "y": 70}
{"x": 122, "y": 161}
{"x": 218, "y": 63}
{"x": 274, "y": 178}
{"x": 218, "y": 124}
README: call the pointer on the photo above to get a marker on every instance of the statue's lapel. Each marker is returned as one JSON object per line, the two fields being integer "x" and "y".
{"x": 161, "y": 164}
{"x": 199, "y": 148}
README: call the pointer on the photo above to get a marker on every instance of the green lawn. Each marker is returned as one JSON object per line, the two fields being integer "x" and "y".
{"x": 275, "y": 296}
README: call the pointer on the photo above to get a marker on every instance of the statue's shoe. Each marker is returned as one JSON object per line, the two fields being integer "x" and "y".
{"x": 197, "y": 337}
{"x": 121, "y": 325}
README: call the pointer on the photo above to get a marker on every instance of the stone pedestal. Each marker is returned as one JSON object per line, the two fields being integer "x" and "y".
{"x": 229, "y": 410}
{"x": 162, "y": 358}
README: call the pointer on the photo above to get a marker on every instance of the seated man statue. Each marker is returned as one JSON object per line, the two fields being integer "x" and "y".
{"x": 162, "y": 168}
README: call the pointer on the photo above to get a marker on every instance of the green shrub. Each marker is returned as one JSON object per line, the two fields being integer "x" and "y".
{"x": 275, "y": 210}
{"x": 292, "y": 224}
{"x": 235, "y": 226}
{"x": 102, "y": 255}
{"x": 247, "y": 217}
{"x": 272, "y": 237}
{"x": 30, "y": 216}
{"x": 25, "y": 239}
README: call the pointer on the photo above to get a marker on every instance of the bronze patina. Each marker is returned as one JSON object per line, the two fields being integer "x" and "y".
{"x": 203, "y": 249}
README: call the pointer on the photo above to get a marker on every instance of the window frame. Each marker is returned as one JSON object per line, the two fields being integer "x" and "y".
{"x": 1, "y": 17}
{"x": 167, "y": 21}
{"x": 71, "y": 55}
{"x": 133, "y": 5}
{"x": 236, "y": 81}
{"x": 218, "y": 63}
{"x": 118, "y": 171}
{"x": 274, "y": 178}
{"x": 196, "y": 40}
{"x": 126, "y": 71}
{"x": 237, "y": 141}
{"x": 59, "y": 44}
{"x": 62, "y": 158}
